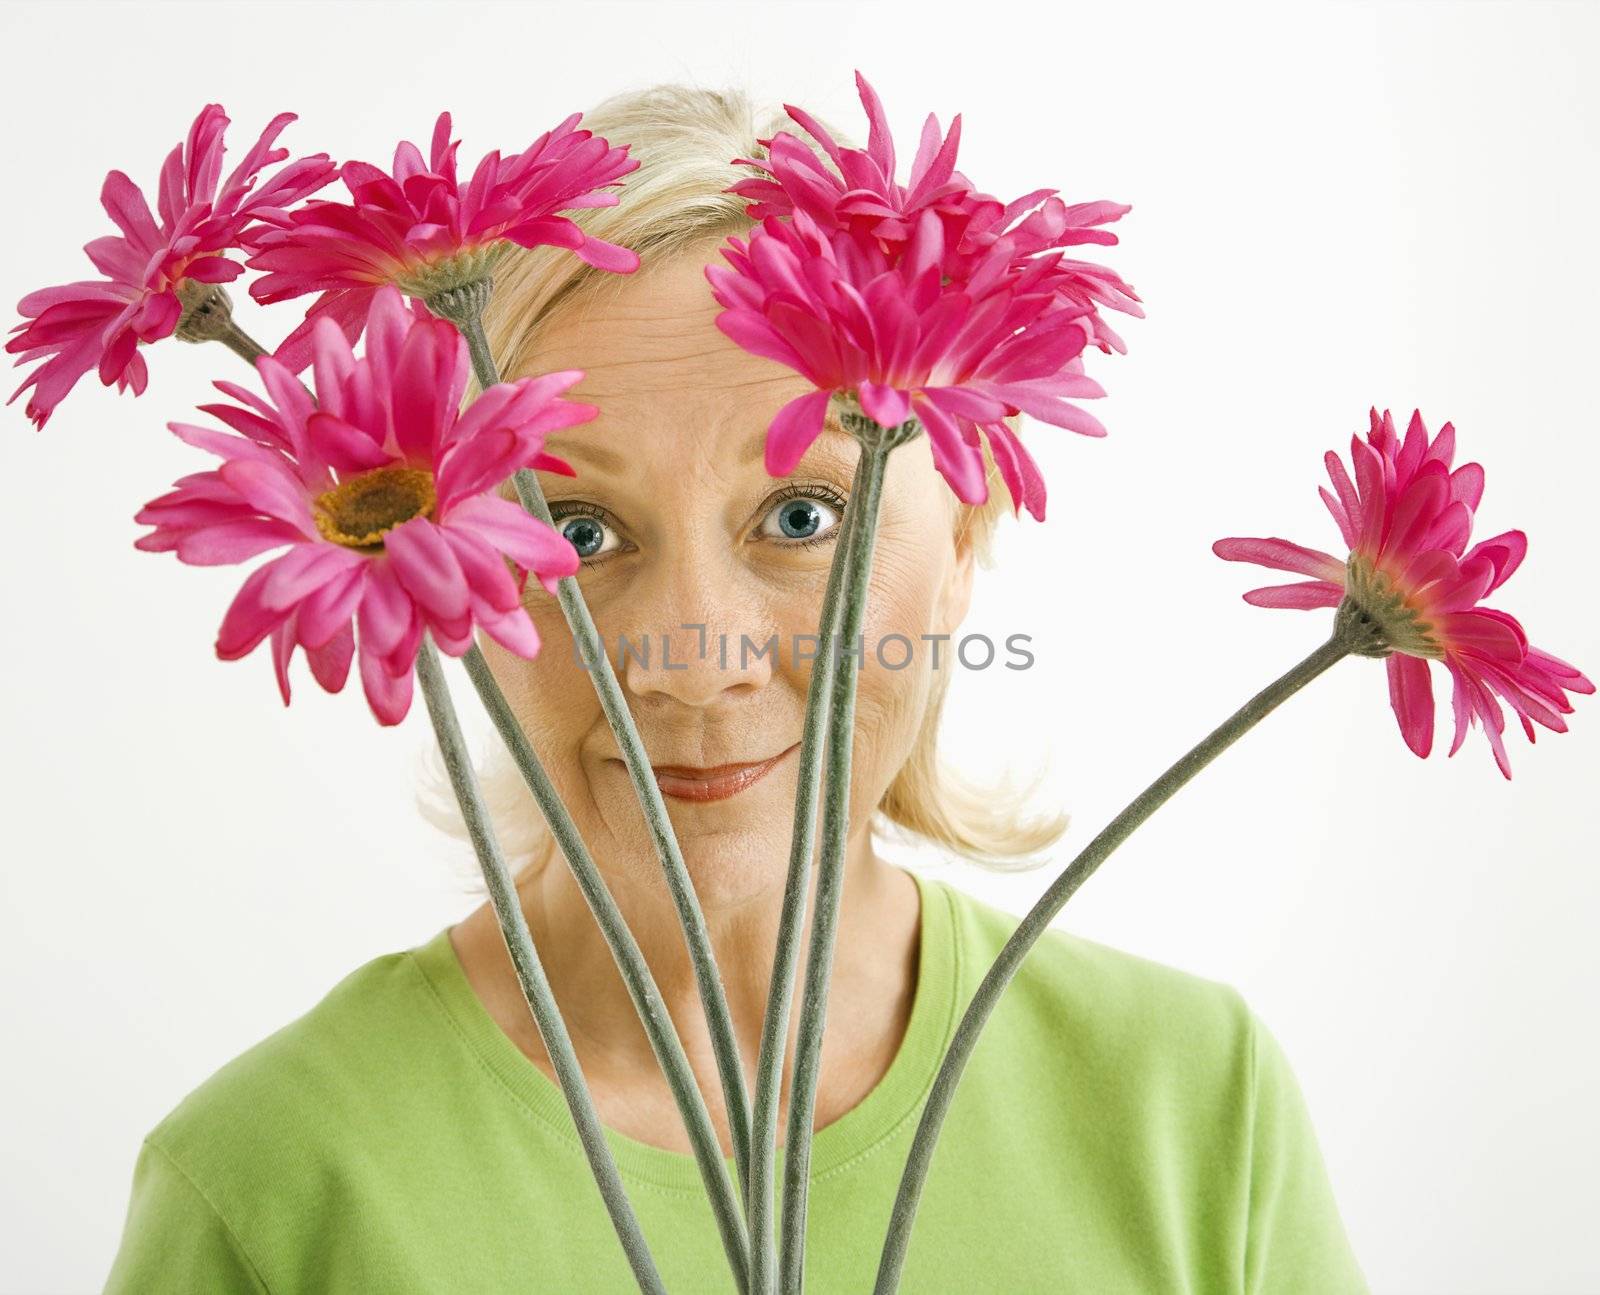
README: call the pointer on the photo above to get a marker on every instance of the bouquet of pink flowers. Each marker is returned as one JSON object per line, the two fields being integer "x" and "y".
{"x": 920, "y": 313}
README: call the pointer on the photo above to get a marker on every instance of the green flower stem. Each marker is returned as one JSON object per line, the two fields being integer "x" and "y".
{"x": 535, "y": 987}
{"x": 775, "y": 1027}
{"x": 630, "y": 962}
{"x": 464, "y": 308}
{"x": 1037, "y": 922}
{"x": 863, "y": 502}
{"x": 242, "y": 344}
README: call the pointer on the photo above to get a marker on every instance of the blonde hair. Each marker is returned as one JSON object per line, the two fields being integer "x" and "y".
{"x": 684, "y": 138}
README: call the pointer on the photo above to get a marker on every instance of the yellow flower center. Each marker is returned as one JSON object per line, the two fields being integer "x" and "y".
{"x": 357, "y": 512}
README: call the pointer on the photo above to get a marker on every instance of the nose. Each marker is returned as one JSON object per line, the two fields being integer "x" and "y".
{"x": 700, "y": 641}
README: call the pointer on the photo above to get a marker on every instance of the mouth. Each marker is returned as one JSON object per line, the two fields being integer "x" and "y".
{"x": 683, "y": 782}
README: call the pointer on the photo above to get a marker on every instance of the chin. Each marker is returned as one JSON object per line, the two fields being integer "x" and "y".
{"x": 735, "y": 850}
{"x": 737, "y": 865}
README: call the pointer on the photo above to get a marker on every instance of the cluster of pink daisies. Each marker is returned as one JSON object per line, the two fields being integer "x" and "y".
{"x": 930, "y": 301}
{"x": 381, "y": 492}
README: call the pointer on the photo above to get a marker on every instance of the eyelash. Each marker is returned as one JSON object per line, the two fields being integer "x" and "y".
{"x": 564, "y": 509}
{"x": 821, "y": 491}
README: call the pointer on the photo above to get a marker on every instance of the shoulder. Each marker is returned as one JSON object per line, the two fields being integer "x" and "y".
{"x": 319, "y": 1078}
{"x": 1065, "y": 969}
{"x": 237, "y": 1186}
{"x": 1142, "y": 1024}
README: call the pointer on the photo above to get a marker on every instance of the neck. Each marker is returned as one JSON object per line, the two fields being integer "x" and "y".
{"x": 870, "y": 991}
{"x": 873, "y": 965}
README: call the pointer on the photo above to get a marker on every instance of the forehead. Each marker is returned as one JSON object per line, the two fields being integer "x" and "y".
{"x": 667, "y": 381}
{"x": 653, "y": 333}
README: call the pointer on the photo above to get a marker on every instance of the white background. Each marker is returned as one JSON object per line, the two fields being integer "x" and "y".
{"x": 1334, "y": 207}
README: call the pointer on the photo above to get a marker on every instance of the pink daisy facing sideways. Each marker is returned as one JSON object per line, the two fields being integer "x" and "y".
{"x": 861, "y": 194}
{"x": 384, "y": 494}
{"x": 424, "y": 231}
{"x": 153, "y": 267}
{"x": 1405, "y": 520}
{"x": 888, "y": 335}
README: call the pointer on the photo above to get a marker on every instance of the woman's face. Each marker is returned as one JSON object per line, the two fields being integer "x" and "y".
{"x": 695, "y": 560}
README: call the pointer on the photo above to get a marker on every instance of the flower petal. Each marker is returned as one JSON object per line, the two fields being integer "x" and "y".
{"x": 1411, "y": 698}
{"x": 1282, "y": 555}
{"x": 793, "y": 429}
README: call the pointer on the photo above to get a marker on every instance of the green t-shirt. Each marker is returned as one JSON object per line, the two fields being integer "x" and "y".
{"x": 1122, "y": 1126}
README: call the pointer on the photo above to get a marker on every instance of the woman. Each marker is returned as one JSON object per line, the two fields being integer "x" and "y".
{"x": 1123, "y": 1127}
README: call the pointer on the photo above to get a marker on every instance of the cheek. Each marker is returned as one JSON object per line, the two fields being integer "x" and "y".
{"x": 551, "y": 696}
{"x": 897, "y": 670}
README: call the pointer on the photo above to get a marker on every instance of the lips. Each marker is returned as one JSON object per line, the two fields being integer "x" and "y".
{"x": 684, "y": 782}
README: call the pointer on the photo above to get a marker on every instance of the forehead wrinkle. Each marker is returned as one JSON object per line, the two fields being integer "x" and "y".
{"x": 659, "y": 317}
{"x": 630, "y": 334}
{"x": 645, "y": 329}
{"x": 706, "y": 370}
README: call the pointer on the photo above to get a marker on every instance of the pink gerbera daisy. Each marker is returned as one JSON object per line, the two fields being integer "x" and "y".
{"x": 862, "y": 195}
{"x": 385, "y": 494}
{"x": 1415, "y": 587}
{"x": 155, "y": 270}
{"x": 424, "y": 232}
{"x": 891, "y": 338}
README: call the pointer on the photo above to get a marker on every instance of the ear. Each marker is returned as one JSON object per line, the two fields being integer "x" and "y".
{"x": 956, "y": 596}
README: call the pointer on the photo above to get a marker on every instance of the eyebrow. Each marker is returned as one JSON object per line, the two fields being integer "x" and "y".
{"x": 757, "y": 449}
{"x": 590, "y": 451}
{"x": 595, "y": 452}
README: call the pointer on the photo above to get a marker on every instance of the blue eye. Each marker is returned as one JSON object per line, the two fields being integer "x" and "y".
{"x": 802, "y": 517}
{"x": 588, "y": 535}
